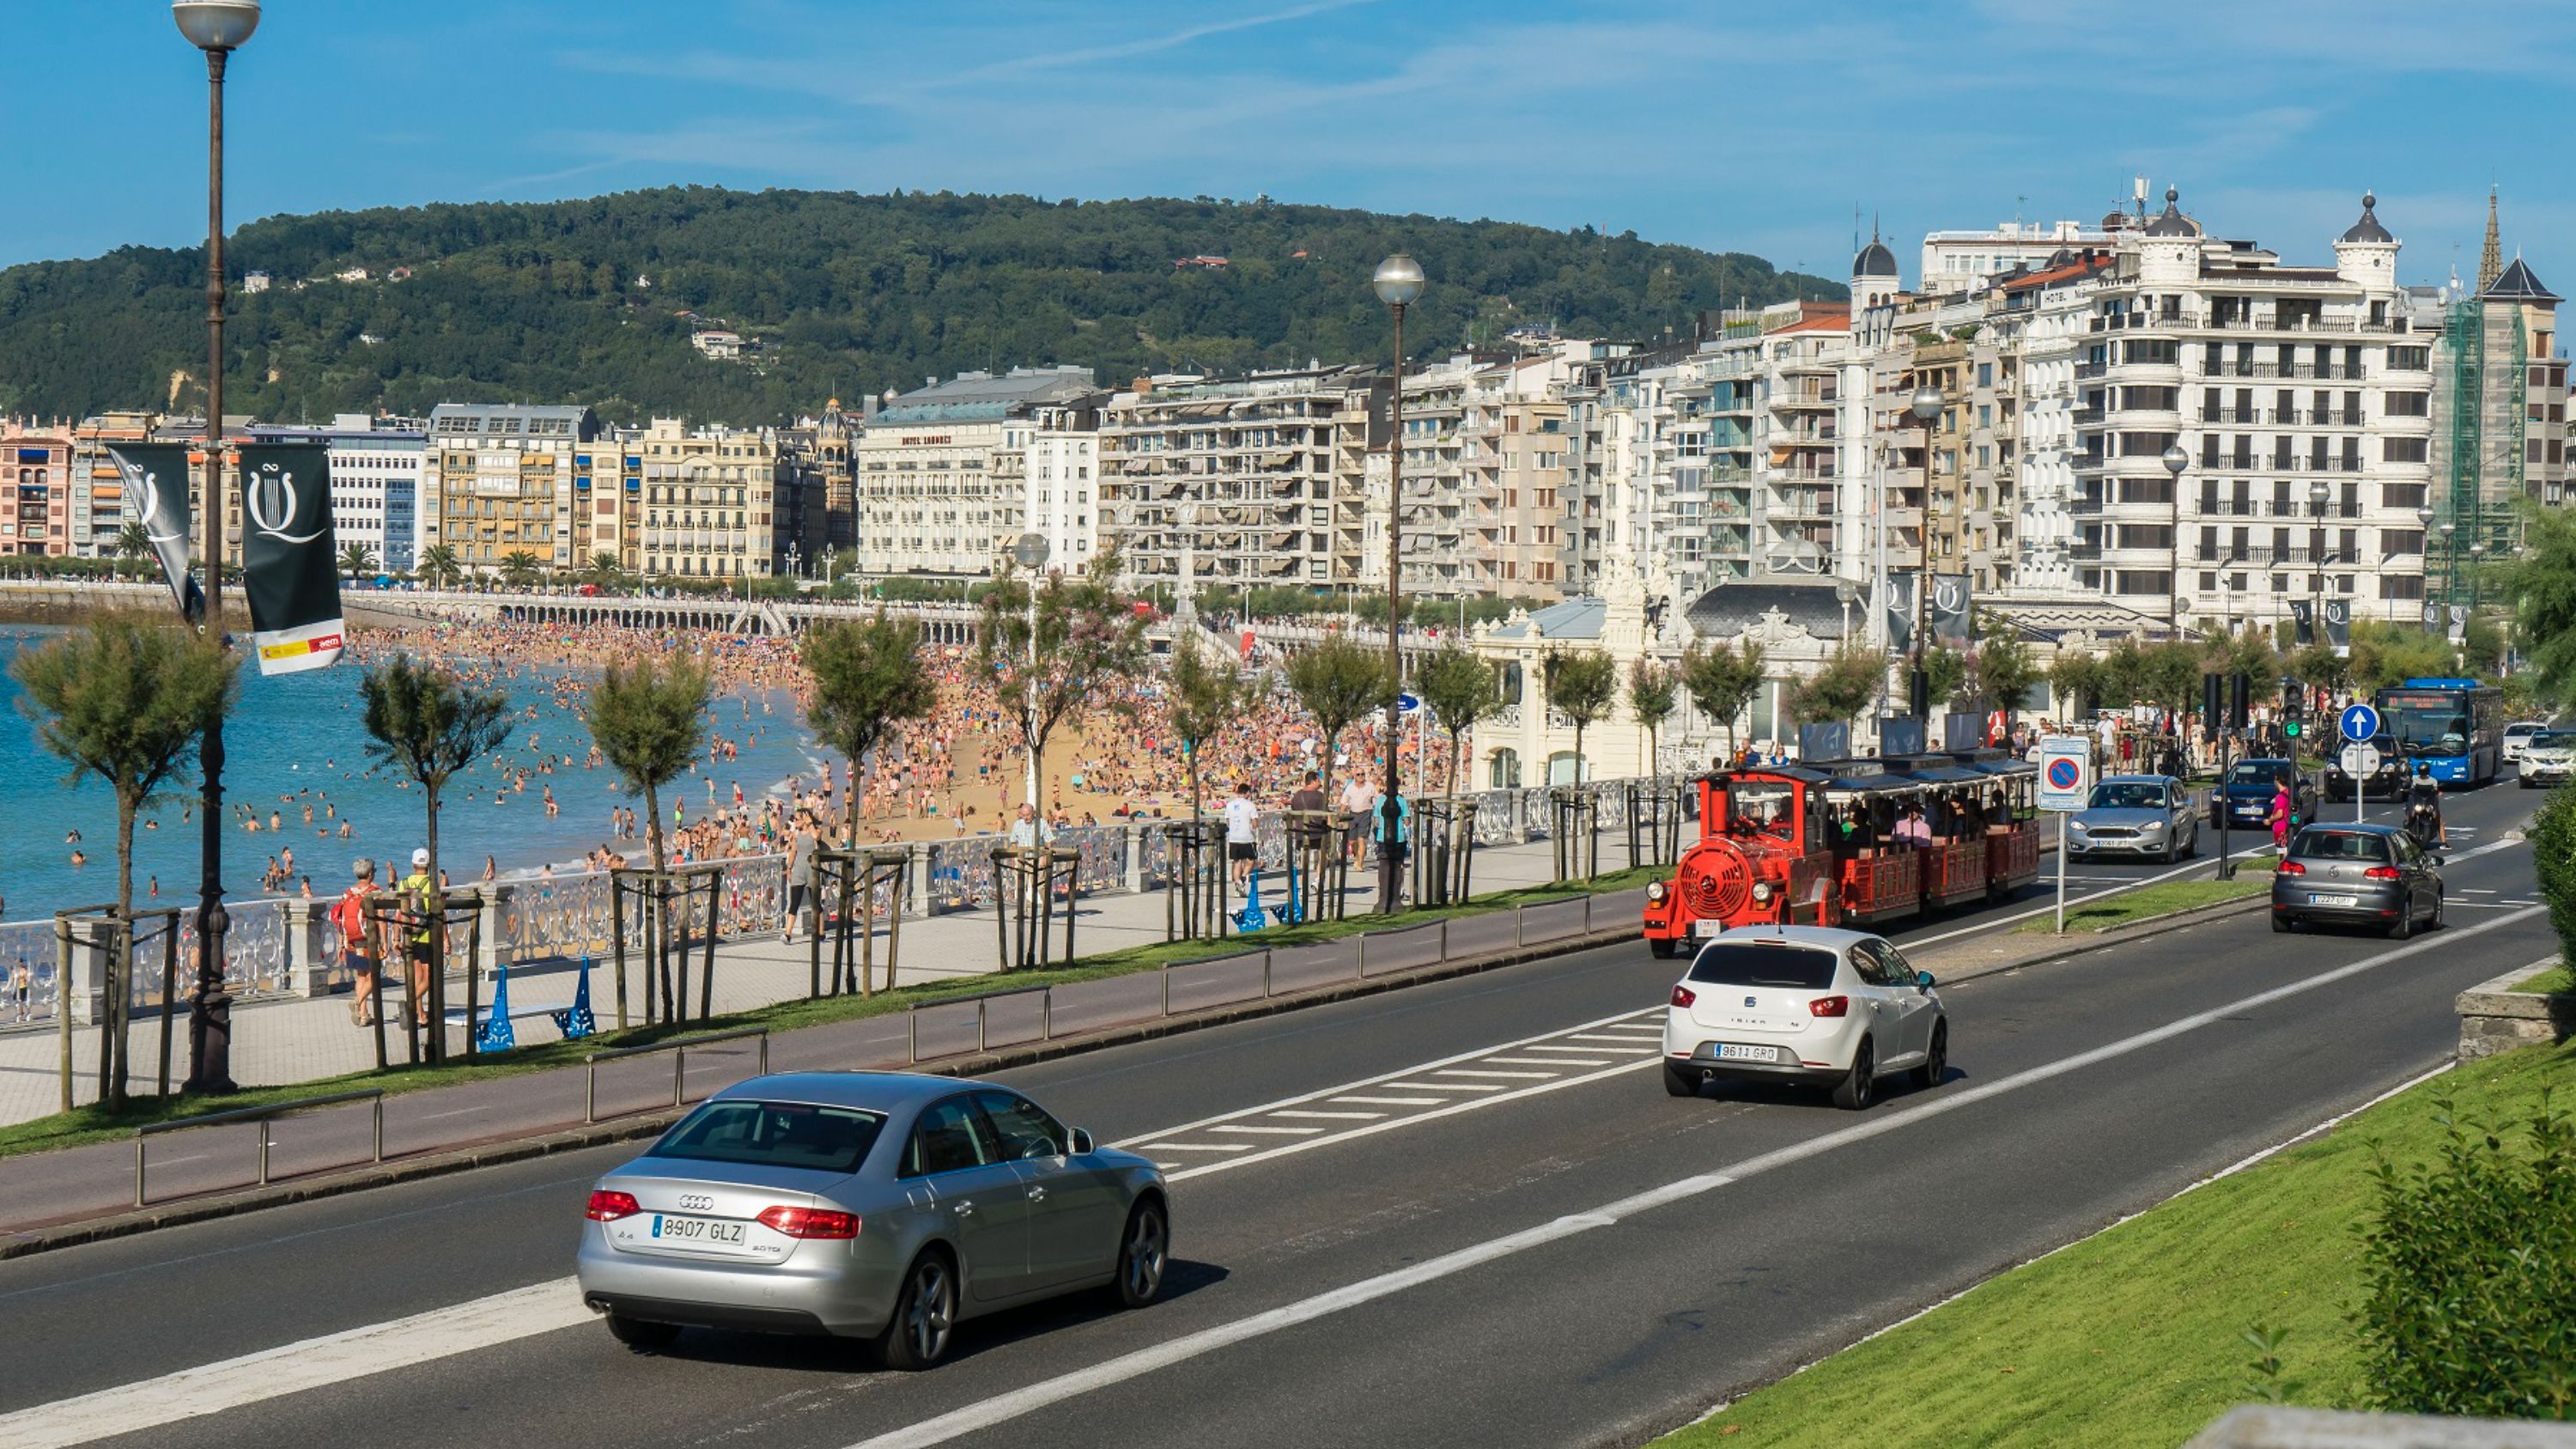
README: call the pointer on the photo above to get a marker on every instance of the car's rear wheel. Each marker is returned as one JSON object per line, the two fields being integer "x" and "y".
{"x": 2405, "y": 925}
{"x": 2438, "y": 899}
{"x": 2281, "y": 924}
{"x": 1679, "y": 1083}
{"x": 1855, "y": 1091}
{"x": 1936, "y": 1063}
{"x": 641, "y": 1333}
{"x": 925, "y": 1315}
{"x": 1144, "y": 1251}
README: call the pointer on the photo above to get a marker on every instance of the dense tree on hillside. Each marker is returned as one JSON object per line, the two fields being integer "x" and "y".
{"x": 582, "y": 301}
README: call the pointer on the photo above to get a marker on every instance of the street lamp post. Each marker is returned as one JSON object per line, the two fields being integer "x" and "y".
{"x": 1030, "y": 553}
{"x": 2317, "y": 492}
{"x": 2175, "y": 460}
{"x": 217, "y": 27}
{"x": 1399, "y": 284}
{"x": 2450, "y": 560}
{"x": 2424, "y": 549}
{"x": 1926, "y": 407}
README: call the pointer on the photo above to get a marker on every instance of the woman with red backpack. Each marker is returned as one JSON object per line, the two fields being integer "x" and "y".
{"x": 349, "y": 913}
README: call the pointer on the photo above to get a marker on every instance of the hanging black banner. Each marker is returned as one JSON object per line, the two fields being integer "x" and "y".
{"x": 1900, "y": 613}
{"x": 2339, "y": 625}
{"x": 2304, "y": 619}
{"x": 156, "y": 495}
{"x": 1951, "y": 625}
{"x": 290, "y": 559}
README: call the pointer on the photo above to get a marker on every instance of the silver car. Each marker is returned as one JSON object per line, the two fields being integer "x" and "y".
{"x": 2149, "y": 816}
{"x": 873, "y": 1205}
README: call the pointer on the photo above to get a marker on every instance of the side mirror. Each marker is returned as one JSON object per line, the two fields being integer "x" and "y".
{"x": 1923, "y": 979}
{"x": 1082, "y": 1142}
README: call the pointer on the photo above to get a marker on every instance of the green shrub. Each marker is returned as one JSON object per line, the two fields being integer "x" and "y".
{"x": 2553, "y": 857}
{"x": 2469, "y": 1275}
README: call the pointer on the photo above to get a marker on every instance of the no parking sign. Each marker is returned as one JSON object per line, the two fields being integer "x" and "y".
{"x": 2065, "y": 772}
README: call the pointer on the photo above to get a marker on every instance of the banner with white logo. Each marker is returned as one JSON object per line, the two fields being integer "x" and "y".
{"x": 2303, "y": 615}
{"x": 1951, "y": 624}
{"x": 1900, "y": 613}
{"x": 2339, "y": 626}
{"x": 2459, "y": 623}
{"x": 156, "y": 496}
{"x": 290, "y": 565}
{"x": 2432, "y": 615}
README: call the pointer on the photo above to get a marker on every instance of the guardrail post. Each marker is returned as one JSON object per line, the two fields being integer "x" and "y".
{"x": 679, "y": 1070}
{"x": 263, "y": 1152}
{"x": 380, "y": 1129}
{"x": 764, "y": 1051}
{"x": 980, "y": 1015}
{"x": 1587, "y": 915}
{"x": 1266, "y": 952}
{"x": 138, "y": 1171}
{"x": 1518, "y": 939}
{"x": 1166, "y": 974}
{"x": 1364, "y": 955}
{"x": 1046, "y": 1014}
{"x": 912, "y": 1033}
{"x": 590, "y": 1092}
{"x": 1444, "y": 938}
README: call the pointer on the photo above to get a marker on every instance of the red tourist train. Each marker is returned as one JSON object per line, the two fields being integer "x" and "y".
{"x": 1849, "y": 842}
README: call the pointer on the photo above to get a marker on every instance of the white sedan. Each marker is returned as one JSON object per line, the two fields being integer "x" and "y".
{"x": 1803, "y": 1004}
{"x": 2517, "y": 736}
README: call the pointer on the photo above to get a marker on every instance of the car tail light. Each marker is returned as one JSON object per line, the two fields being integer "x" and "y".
{"x": 796, "y": 1222}
{"x": 2380, "y": 872}
{"x": 608, "y": 1207}
{"x": 1829, "y": 1006}
{"x": 2289, "y": 867}
{"x": 1684, "y": 996}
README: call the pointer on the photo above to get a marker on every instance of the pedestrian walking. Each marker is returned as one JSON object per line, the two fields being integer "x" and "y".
{"x": 349, "y": 913}
{"x": 417, "y": 889}
{"x": 1242, "y": 844}
{"x": 800, "y": 878}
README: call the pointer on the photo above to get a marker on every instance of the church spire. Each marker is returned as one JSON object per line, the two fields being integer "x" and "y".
{"x": 2491, "y": 261}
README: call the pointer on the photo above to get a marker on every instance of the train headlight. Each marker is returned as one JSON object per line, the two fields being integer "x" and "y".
{"x": 1655, "y": 891}
{"x": 1762, "y": 893}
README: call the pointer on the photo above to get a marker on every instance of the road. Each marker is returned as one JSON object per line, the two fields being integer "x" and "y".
{"x": 1566, "y": 1256}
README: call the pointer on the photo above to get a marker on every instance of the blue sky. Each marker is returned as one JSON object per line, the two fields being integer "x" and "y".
{"x": 1754, "y": 127}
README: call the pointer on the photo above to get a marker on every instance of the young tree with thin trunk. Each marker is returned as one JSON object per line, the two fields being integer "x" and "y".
{"x": 1339, "y": 681}
{"x": 869, "y": 679}
{"x": 649, "y": 719}
{"x": 1051, "y": 660}
{"x": 1840, "y": 689}
{"x": 2078, "y": 679}
{"x": 1203, "y": 696}
{"x": 2006, "y": 668}
{"x": 1722, "y": 679}
{"x": 1653, "y": 693}
{"x": 1459, "y": 689}
{"x": 125, "y": 698}
{"x": 1582, "y": 685}
{"x": 426, "y": 726}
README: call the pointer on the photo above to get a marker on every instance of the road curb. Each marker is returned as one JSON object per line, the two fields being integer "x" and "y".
{"x": 2121, "y": 936}
{"x": 336, "y": 1182}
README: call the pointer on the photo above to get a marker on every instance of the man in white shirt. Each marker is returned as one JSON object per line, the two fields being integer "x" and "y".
{"x": 1356, "y": 795}
{"x": 1242, "y": 846}
{"x": 1030, "y": 830}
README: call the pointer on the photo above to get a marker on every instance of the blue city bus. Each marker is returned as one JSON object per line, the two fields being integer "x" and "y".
{"x": 2456, "y": 726}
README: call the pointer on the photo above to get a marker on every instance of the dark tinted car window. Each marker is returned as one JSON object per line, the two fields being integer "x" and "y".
{"x": 773, "y": 1134}
{"x": 2341, "y": 845}
{"x": 1743, "y": 963}
{"x": 949, "y": 1136}
{"x": 1025, "y": 1131}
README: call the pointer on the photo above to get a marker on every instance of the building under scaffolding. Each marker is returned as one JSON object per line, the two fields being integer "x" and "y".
{"x": 2502, "y": 396}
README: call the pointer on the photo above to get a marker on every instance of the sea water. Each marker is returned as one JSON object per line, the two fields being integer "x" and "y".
{"x": 300, "y": 739}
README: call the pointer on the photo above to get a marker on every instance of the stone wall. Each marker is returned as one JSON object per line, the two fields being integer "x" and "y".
{"x": 2496, "y": 1018}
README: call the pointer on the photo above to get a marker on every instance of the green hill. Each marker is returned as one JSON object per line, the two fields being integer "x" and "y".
{"x": 581, "y": 301}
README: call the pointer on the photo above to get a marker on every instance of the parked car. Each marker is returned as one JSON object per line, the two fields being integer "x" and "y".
{"x": 2140, "y": 815}
{"x": 1803, "y": 1004}
{"x": 2357, "y": 875}
{"x": 2548, "y": 758}
{"x": 2517, "y": 736}
{"x": 2388, "y": 782}
{"x": 2247, "y": 793}
{"x": 883, "y": 1206}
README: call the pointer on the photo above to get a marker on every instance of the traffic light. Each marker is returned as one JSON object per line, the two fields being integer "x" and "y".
{"x": 2290, "y": 726}
{"x": 2240, "y": 702}
{"x": 2209, "y": 701}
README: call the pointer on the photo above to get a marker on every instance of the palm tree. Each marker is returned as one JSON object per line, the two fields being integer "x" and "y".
{"x": 438, "y": 563}
{"x": 133, "y": 541}
{"x": 356, "y": 559}
{"x": 518, "y": 568}
{"x": 604, "y": 570}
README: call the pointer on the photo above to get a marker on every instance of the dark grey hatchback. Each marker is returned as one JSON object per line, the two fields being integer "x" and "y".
{"x": 2357, "y": 875}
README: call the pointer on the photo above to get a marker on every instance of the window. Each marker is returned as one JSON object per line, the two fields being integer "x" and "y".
{"x": 1803, "y": 968}
{"x": 2402, "y": 450}
{"x": 950, "y": 1136}
{"x": 1024, "y": 1130}
{"x": 773, "y": 1134}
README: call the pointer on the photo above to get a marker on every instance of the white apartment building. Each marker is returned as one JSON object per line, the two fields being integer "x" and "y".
{"x": 377, "y": 465}
{"x": 709, "y": 500}
{"x": 1253, "y": 481}
{"x": 940, "y": 470}
{"x": 1058, "y": 497}
{"x": 506, "y": 478}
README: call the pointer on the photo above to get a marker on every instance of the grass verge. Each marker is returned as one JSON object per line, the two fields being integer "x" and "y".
{"x": 2131, "y": 1337}
{"x": 95, "y": 1123}
{"x": 2561, "y": 977}
{"x": 2253, "y": 877}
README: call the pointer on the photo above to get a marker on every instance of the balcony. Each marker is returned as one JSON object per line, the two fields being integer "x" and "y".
{"x": 2324, "y": 372}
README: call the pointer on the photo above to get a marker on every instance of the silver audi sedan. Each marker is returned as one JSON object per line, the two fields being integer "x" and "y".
{"x": 882, "y": 1206}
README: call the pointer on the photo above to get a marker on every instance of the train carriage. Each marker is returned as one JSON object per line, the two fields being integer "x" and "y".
{"x": 1957, "y": 802}
{"x": 1881, "y": 879}
{"x": 2012, "y": 821}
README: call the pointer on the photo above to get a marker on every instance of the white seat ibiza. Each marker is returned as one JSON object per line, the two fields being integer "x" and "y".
{"x": 1803, "y": 1004}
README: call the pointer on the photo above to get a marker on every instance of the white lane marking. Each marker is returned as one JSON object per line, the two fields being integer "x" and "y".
{"x": 1347, "y": 1116}
{"x": 1560, "y": 1052}
{"x": 1198, "y": 1147}
{"x": 1448, "y": 1086}
{"x": 1507, "y": 1076}
{"x": 1603, "y": 1037}
{"x": 1393, "y": 1101}
{"x": 1003, "y": 1408}
{"x": 459, "y": 1112}
{"x": 1272, "y": 1131}
{"x": 295, "y": 1367}
{"x": 1549, "y": 1061}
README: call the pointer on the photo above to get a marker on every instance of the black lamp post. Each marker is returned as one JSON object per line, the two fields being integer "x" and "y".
{"x": 1399, "y": 284}
{"x": 217, "y": 27}
{"x": 2175, "y": 460}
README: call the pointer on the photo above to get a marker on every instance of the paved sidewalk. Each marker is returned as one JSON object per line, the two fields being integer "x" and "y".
{"x": 281, "y": 1041}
